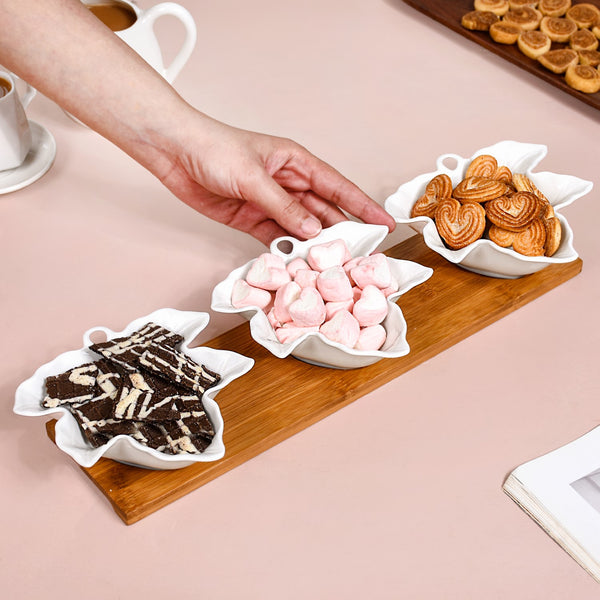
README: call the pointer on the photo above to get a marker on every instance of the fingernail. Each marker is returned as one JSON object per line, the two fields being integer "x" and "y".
{"x": 310, "y": 226}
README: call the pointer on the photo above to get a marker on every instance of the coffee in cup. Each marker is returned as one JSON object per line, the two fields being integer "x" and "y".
{"x": 115, "y": 15}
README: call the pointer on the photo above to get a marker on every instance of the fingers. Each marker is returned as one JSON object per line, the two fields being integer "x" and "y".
{"x": 281, "y": 206}
{"x": 334, "y": 187}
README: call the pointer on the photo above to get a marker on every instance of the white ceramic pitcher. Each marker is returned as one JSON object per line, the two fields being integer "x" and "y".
{"x": 142, "y": 38}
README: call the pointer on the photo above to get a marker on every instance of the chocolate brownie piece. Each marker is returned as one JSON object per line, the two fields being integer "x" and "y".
{"x": 173, "y": 365}
{"x": 126, "y": 350}
{"x": 74, "y": 386}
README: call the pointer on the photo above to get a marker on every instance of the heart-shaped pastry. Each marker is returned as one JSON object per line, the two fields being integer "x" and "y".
{"x": 479, "y": 189}
{"x": 460, "y": 224}
{"x": 437, "y": 189}
{"x": 483, "y": 165}
{"x": 531, "y": 241}
{"x": 514, "y": 211}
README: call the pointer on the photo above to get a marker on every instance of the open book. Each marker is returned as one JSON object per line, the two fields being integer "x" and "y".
{"x": 561, "y": 492}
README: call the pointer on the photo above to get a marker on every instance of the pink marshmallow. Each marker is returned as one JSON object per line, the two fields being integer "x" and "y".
{"x": 284, "y": 296}
{"x": 356, "y": 293}
{"x": 309, "y": 309}
{"x": 372, "y": 270}
{"x": 349, "y": 265}
{"x": 371, "y": 308}
{"x": 333, "y": 285}
{"x": 306, "y": 278}
{"x": 392, "y": 288}
{"x": 275, "y": 323}
{"x": 243, "y": 294}
{"x": 371, "y": 338}
{"x": 289, "y": 333}
{"x": 268, "y": 272}
{"x": 330, "y": 254}
{"x": 342, "y": 328}
{"x": 296, "y": 265}
{"x": 332, "y": 307}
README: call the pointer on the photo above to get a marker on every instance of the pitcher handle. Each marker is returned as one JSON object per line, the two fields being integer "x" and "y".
{"x": 178, "y": 11}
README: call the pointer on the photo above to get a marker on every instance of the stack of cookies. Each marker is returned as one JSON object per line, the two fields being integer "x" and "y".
{"x": 141, "y": 386}
{"x": 491, "y": 203}
{"x": 561, "y": 36}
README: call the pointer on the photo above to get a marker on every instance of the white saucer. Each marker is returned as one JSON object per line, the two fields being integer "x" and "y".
{"x": 36, "y": 163}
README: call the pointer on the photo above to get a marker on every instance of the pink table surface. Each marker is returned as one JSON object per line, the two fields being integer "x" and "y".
{"x": 399, "y": 494}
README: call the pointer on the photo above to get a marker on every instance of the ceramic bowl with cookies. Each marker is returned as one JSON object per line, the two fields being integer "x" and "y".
{"x": 140, "y": 396}
{"x": 329, "y": 301}
{"x": 492, "y": 213}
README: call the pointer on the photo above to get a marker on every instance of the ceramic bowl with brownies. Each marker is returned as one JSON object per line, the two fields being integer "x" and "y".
{"x": 329, "y": 301}
{"x": 492, "y": 213}
{"x": 140, "y": 396}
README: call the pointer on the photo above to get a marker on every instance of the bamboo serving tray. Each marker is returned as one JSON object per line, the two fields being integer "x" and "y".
{"x": 280, "y": 397}
{"x": 450, "y": 12}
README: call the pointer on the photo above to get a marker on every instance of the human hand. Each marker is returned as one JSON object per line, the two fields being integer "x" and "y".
{"x": 263, "y": 185}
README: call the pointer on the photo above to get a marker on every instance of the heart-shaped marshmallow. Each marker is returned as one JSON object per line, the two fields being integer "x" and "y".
{"x": 372, "y": 270}
{"x": 332, "y": 307}
{"x": 306, "y": 278}
{"x": 371, "y": 308}
{"x": 295, "y": 265}
{"x": 243, "y": 294}
{"x": 330, "y": 254}
{"x": 289, "y": 333}
{"x": 268, "y": 272}
{"x": 342, "y": 328}
{"x": 309, "y": 309}
{"x": 284, "y": 296}
{"x": 334, "y": 285}
{"x": 371, "y": 338}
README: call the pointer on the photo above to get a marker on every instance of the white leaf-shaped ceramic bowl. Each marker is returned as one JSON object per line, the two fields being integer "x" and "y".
{"x": 70, "y": 439}
{"x": 484, "y": 256}
{"x": 315, "y": 348}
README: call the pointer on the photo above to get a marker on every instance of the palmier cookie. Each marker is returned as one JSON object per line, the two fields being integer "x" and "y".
{"x": 522, "y": 183}
{"x": 504, "y": 33}
{"x": 479, "y": 20}
{"x": 553, "y": 235}
{"x": 513, "y": 211}
{"x": 503, "y": 174}
{"x": 479, "y": 189}
{"x": 554, "y": 8}
{"x": 583, "y": 78}
{"x": 483, "y": 165}
{"x": 558, "y": 29}
{"x": 503, "y": 237}
{"x": 596, "y": 30}
{"x": 459, "y": 224}
{"x": 522, "y": 3}
{"x": 498, "y": 7}
{"x": 532, "y": 240}
{"x": 589, "y": 57}
{"x": 558, "y": 61}
{"x": 437, "y": 189}
{"x": 534, "y": 43}
{"x": 583, "y": 39}
{"x": 526, "y": 18}
{"x": 584, "y": 15}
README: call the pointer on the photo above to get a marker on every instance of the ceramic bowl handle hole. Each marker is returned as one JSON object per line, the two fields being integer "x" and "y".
{"x": 283, "y": 246}
{"x": 96, "y": 335}
{"x": 448, "y": 162}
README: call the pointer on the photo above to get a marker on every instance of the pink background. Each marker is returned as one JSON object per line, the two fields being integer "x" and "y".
{"x": 399, "y": 494}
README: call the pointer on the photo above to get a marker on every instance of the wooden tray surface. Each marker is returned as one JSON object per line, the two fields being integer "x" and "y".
{"x": 450, "y": 12}
{"x": 280, "y": 397}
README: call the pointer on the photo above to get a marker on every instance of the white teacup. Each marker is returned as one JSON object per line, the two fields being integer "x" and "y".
{"x": 135, "y": 26}
{"x": 15, "y": 134}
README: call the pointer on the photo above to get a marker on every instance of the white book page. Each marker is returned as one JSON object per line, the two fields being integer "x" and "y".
{"x": 566, "y": 482}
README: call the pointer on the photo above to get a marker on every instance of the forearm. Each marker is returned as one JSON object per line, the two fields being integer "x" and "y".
{"x": 71, "y": 57}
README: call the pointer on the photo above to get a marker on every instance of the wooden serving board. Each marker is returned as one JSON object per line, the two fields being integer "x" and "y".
{"x": 280, "y": 397}
{"x": 450, "y": 12}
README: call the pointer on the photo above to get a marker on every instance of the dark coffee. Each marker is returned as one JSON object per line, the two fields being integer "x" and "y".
{"x": 5, "y": 87}
{"x": 114, "y": 15}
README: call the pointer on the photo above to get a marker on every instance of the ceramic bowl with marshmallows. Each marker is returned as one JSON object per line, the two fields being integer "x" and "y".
{"x": 329, "y": 301}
